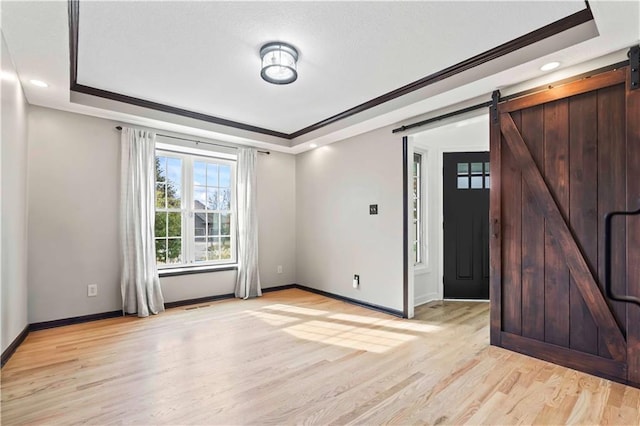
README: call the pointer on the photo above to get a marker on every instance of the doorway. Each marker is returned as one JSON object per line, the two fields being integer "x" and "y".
{"x": 468, "y": 133}
{"x": 466, "y": 181}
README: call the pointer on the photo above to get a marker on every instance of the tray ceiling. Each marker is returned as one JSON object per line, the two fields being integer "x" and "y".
{"x": 204, "y": 56}
{"x": 350, "y": 53}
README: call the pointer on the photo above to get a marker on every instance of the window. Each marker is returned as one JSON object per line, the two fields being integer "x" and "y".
{"x": 417, "y": 209}
{"x": 194, "y": 223}
{"x": 168, "y": 226}
{"x": 473, "y": 176}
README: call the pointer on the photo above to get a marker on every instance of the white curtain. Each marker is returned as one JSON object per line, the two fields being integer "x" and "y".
{"x": 248, "y": 281}
{"x": 139, "y": 283}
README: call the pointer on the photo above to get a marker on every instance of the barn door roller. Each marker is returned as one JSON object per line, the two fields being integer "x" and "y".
{"x": 634, "y": 66}
{"x": 607, "y": 257}
{"x": 495, "y": 99}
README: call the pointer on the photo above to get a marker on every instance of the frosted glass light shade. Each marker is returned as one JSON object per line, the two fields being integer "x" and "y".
{"x": 279, "y": 63}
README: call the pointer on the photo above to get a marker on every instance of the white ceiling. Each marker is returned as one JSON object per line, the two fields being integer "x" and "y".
{"x": 203, "y": 56}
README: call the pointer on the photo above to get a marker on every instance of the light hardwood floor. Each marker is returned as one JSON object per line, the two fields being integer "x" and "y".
{"x": 296, "y": 357}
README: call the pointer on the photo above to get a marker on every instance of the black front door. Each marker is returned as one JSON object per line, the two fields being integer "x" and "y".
{"x": 466, "y": 225}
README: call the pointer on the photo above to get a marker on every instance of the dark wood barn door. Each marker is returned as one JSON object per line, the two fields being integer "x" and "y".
{"x": 466, "y": 182}
{"x": 560, "y": 160}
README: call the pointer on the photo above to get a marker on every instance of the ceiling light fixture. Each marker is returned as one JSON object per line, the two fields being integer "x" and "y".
{"x": 38, "y": 83}
{"x": 313, "y": 145}
{"x": 279, "y": 63}
{"x": 550, "y": 66}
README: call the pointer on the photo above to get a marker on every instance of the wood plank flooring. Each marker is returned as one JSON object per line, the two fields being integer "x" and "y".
{"x": 295, "y": 357}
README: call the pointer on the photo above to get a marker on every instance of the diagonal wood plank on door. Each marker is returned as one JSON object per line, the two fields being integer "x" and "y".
{"x": 558, "y": 227}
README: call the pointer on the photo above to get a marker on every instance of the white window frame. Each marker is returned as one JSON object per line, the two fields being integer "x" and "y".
{"x": 188, "y": 211}
{"x": 171, "y": 210}
{"x": 423, "y": 263}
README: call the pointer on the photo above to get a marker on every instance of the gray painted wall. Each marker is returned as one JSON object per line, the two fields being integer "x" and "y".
{"x": 74, "y": 213}
{"x": 336, "y": 237}
{"x": 277, "y": 218}
{"x": 14, "y": 203}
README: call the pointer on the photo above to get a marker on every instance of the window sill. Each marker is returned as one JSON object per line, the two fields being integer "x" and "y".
{"x": 187, "y": 270}
{"x": 421, "y": 269}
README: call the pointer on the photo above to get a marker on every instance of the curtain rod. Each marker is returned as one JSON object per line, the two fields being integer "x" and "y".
{"x": 513, "y": 96}
{"x": 200, "y": 142}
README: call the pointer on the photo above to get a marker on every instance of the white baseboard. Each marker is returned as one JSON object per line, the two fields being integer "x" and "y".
{"x": 425, "y": 298}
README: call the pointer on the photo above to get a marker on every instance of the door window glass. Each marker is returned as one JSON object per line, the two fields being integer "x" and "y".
{"x": 473, "y": 176}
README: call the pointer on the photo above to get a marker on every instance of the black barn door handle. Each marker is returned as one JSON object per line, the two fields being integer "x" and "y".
{"x": 607, "y": 257}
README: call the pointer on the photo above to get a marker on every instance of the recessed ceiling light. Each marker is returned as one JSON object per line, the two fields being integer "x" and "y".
{"x": 6, "y": 75}
{"x": 38, "y": 83}
{"x": 550, "y": 66}
{"x": 313, "y": 145}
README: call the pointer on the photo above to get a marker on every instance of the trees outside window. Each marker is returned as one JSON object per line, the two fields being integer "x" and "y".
{"x": 194, "y": 210}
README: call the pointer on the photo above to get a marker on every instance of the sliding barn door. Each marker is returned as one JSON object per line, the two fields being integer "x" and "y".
{"x": 561, "y": 160}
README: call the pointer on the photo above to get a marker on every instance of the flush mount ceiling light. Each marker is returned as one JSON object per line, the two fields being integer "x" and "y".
{"x": 279, "y": 63}
{"x": 550, "y": 66}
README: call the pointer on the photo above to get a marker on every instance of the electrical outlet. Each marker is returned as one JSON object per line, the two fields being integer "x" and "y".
{"x": 356, "y": 281}
{"x": 279, "y": 269}
{"x": 92, "y": 290}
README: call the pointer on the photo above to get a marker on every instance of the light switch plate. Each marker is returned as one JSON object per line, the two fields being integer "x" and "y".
{"x": 92, "y": 290}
